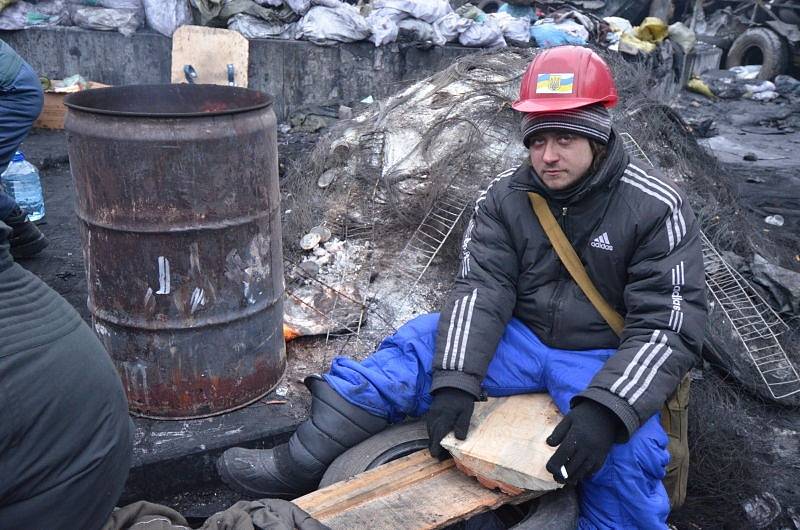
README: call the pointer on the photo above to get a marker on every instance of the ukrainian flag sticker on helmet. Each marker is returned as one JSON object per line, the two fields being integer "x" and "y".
{"x": 554, "y": 83}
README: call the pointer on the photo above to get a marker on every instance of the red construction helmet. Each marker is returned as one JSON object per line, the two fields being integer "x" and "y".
{"x": 566, "y": 77}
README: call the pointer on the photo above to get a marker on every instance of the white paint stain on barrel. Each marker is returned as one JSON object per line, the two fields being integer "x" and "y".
{"x": 163, "y": 275}
{"x": 101, "y": 329}
{"x": 198, "y": 299}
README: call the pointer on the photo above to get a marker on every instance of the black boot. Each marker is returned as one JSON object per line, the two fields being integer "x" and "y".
{"x": 295, "y": 468}
{"x": 26, "y": 240}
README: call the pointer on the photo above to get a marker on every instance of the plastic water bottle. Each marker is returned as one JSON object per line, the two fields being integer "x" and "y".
{"x": 21, "y": 181}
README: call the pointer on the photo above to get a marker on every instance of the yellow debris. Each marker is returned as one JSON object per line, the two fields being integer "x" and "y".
{"x": 652, "y": 29}
{"x": 696, "y": 85}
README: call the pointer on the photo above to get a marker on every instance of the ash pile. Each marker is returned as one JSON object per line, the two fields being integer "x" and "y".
{"x": 372, "y": 230}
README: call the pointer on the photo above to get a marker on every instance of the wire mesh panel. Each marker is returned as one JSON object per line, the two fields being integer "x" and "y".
{"x": 430, "y": 236}
{"x": 754, "y": 321}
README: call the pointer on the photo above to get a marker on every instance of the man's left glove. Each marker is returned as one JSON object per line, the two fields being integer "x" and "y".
{"x": 584, "y": 437}
{"x": 450, "y": 410}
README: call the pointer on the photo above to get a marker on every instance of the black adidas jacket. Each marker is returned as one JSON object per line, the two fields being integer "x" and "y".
{"x": 639, "y": 241}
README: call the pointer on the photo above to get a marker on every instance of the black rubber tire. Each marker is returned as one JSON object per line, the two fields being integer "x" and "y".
{"x": 395, "y": 442}
{"x": 773, "y": 49}
{"x": 558, "y": 510}
{"x": 489, "y": 6}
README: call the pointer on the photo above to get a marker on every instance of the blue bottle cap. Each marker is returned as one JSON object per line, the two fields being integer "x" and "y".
{"x": 18, "y": 157}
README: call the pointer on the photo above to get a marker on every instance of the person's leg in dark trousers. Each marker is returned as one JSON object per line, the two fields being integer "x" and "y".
{"x": 20, "y": 105}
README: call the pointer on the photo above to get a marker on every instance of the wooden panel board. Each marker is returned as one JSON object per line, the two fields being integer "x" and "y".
{"x": 506, "y": 441}
{"x": 210, "y": 51}
{"x": 53, "y": 110}
{"x": 416, "y": 492}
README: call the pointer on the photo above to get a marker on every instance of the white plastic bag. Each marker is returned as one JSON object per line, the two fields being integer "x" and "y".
{"x": 383, "y": 29}
{"x": 126, "y": 21}
{"x": 428, "y": 10}
{"x": 683, "y": 36}
{"x": 300, "y": 7}
{"x": 450, "y": 26}
{"x": 165, "y": 16}
{"x": 256, "y": 28}
{"x": 516, "y": 29}
{"x": 24, "y": 15}
{"x": 747, "y": 72}
{"x": 486, "y": 35}
{"x": 326, "y": 26}
{"x": 416, "y": 30}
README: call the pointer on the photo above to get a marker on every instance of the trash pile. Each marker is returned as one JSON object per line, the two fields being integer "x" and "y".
{"x": 382, "y": 22}
{"x": 125, "y": 16}
{"x": 376, "y": 179}
{"x": 757, "y": 41}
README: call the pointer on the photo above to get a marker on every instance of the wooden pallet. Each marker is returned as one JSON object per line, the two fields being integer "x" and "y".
{"x": 505, "y": 445}
{"x": 415, "y": 492}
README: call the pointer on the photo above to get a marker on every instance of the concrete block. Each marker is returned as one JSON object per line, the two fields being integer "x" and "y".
{"x": 298, "y": 74}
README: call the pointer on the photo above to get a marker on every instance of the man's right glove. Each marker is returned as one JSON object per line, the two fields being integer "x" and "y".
{"x": 584, "y": 437}
{"x": 450, "y": 410}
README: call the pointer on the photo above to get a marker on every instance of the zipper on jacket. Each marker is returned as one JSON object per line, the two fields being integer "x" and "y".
{"x": 555, "y": 300}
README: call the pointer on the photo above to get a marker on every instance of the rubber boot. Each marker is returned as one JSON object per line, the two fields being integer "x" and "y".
{"x": 26, "y": 240}
{"x": 295, "y": 468}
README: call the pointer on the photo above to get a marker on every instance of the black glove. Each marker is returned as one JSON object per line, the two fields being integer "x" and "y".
{"x": 584, "y": 437}
{"x": 450, "y": 411}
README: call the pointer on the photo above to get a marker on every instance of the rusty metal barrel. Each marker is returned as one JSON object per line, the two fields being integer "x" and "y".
{"x": 179, "y": 211}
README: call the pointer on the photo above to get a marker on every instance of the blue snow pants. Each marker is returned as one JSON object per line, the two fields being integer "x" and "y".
{"x": 395, "y": 381}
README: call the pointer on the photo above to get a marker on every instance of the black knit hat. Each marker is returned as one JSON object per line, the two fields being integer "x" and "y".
{"x": 593, "y": 122}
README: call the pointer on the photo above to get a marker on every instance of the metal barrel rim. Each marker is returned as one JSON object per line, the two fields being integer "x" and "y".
{"x": 104, "y": 100}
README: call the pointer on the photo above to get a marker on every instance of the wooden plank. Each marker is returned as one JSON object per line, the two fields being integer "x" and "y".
{"x": 210, "y": 51}
{"x": 416, "y": 492}
{"x": 506, "y": 441}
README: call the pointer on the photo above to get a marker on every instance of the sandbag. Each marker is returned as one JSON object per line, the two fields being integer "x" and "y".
{"x": 326, "y": 26}
{"x": 416, "y": 30}
{"x": 300, "y": 7}
{"x": 450, "y": 26}
{"x": 24, "y": 15}
{"x": 219, "y": 12}
{"x": 384, "y": 30}
{"x": 428, "y": 10}
{"x": 486, "y": 35}
{"x": 165, "y": 16}
{"x": 514, "y": 29}
{"x": 126, "y": 21}
{"x": 256, "y": 28}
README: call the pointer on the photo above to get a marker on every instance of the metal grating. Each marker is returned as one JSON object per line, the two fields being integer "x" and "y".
{"x": 753, "y": 320}
{"x": 430, "y": 236}
{"x": 633, "y": 149}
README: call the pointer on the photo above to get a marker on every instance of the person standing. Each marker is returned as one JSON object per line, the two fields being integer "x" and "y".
{"x": 21, "y": 100}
